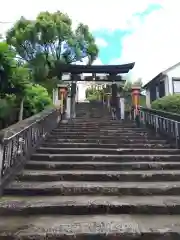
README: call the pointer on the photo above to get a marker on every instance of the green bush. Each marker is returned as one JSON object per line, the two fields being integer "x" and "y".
{"x": 93, "y": 94}
{"x": 92, "y": 98}
{"x": 37, "y": 98}
{"x": 143, "y": 101}
{"x": 169, "y": 103}
{"x": 7, "y": 105}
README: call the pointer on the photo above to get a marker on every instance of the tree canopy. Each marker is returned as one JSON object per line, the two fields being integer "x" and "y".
{"x": 49, "y": 41}
{"x": 16, "y": 84}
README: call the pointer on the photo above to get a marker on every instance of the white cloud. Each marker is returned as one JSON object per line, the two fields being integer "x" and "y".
{"x": 155, "y": 43}
{"x": 86, "y": 59}
{"x": 97, "y": 62}
{"x": 115, "y": 61}
{"x": 97, "y": 14}
{"x": 101, "y": 42}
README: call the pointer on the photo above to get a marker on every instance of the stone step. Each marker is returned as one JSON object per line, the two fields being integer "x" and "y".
{"x": 104, "y": 157}
{"x": 111, "y": 166}
{"x": 94, "y": 145}
{"x": 67, "y": 188}
{"x": 97, "y": 128}
{"x": 113, "y": 130}
{"x": 105, "y": 141}
{"x": 101, "y": 120}
{"x": 77, "y": 145}
{"x": 95, "y": 175}
{"x": 104, "y": 137}
{"x": 81, "y": 205}
{"x": 107, "y": 227}
{"x": 113, "y": 151}
{"x": 100, "y": 128}
{"x": 102, "y": 134}
{"x": 94, "y": 124}
{"x": 105, "y": 132}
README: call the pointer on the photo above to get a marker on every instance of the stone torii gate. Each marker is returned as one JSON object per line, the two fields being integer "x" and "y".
{"x": 75, "y": 73}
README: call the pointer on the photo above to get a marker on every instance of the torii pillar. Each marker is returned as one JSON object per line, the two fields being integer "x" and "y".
{"x": 114, "y": 90}
{"x": 74, "y": 79}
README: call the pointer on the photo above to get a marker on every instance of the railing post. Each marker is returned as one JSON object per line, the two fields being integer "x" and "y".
{"x": 164, "y": 123}
{"x": 156, "y": 123}
{"x": 177, "y": 134}
{"x": 1, "y": 159}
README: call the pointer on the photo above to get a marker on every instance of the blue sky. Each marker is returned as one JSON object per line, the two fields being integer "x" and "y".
{"x": 113, "y": 47}
{"x": 142, "y": 31}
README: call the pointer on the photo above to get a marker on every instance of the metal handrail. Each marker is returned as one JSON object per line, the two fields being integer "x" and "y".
{"x": 162, "y": 125}
{"x": 17, "y": 148}
{"x": 8, "y": 129}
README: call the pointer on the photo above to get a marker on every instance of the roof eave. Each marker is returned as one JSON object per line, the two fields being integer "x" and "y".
{"x": 77, "y": 69}
{"x": 160, "y": 75}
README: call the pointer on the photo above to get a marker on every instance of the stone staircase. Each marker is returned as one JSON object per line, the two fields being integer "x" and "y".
{"x": 94, "y": 177}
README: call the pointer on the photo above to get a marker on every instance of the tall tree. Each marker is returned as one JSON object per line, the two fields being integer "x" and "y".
{"x": 49, "y": 41}
{"x": 6, "y": 68}
{"x": 12, "y": 78}
{"x": 16, "y": 86}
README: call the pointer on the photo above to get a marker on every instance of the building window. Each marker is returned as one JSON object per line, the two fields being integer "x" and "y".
{"x": 152, "y": 93}
{"x": 161, "y": 89}
{"x": 176, "y": 85}
{"x": 157, "y": 91}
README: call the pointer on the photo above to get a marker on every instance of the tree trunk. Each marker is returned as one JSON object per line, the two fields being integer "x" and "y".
{"x": 21, "y": 110}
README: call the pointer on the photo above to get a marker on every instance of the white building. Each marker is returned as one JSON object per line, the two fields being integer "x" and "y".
{"x": 165, "y": 83}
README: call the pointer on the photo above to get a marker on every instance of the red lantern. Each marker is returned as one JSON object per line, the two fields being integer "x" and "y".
{"x": 136, "y": 99}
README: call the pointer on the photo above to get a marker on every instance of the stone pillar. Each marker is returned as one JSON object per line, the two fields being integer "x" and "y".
{"x": 114, "y": 98}
{"x": 62, "y": 102}
{"x": 54, "y": 96}
{"x": 102, "y": 98}
{"x": 73, "y": 112}
{"x": 118, "y": 106}
{"x": 103, "y": 94}
{"x": 122, "y": 108}
{"x": 68, "y": 108}
{"x": 148, "y": 100}
{"x": 56, "y": 100}
{"x": 77, "y": 94}
{"x": 114, "y": 91}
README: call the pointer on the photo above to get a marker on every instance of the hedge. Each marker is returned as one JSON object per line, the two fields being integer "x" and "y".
{"x": 169, "y": 103}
